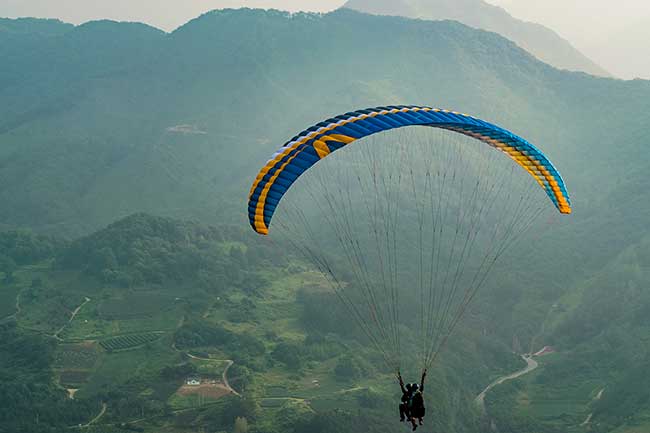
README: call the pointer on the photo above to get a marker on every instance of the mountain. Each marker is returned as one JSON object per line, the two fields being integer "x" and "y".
{"x": 24, "y": 26}
{"x": 541, "y": 41}
{"x": 106, "y": 119}
{"x": 96, "y": 126}
{"x": 612, "y": 34}
{"x": 593, "y": 375}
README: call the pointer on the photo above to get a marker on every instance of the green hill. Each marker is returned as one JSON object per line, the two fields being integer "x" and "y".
{"x": 124, "y": 316}
{"x": 76, "y": 132}
{"x": 105, "y": 120}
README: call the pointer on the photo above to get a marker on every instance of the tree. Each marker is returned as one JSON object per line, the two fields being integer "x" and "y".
{"x": 347, "y": 368}
{"x": 288, "y": 353}
{"x": 8, "y": 267}
{"x": 241, "y": 425}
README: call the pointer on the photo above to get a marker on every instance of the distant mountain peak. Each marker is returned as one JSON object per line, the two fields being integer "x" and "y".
{"x": 540, "y": 41}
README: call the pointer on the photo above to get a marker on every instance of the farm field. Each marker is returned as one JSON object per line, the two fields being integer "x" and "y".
{"x": 209, "y": 372}
{"x": 129, "y": 341}
{"x": 74, "y": 378}
{"x": 276, "y": 310}
{"x": 142, "y": 364}
{"x": 212, "y": 368}
{"x": 188, "y": 396}
{"x": 76, "y": 356}
{"x": 90, "y": 325}
{"x": 47, "y": 315}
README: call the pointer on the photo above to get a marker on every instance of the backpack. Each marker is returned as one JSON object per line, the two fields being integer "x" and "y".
{"x": 416, "y": 404}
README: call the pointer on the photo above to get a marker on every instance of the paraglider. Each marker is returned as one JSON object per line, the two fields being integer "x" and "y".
{"x": 412, "y": 408}
{"x": 317, "y": 142}
{"x": 406, "y": 225}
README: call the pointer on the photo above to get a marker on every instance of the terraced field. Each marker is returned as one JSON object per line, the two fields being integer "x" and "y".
{"x": 74, "y": 378}
{"x": 125, "y": 342}
{"x": 75, "y": 356}
{"x": 126, "y": 314}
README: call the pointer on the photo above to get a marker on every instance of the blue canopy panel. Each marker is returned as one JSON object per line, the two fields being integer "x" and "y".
{"x": 315, "y": 143}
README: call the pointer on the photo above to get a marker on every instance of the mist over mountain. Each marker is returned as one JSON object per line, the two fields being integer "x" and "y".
{"x": 610, "y": 33}
{"x": 103, "y": 120}
{"x": 541, "y": 41}
{"x": 90, "y": 108}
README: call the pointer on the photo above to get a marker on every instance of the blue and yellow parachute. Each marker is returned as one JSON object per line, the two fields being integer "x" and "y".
{"x": 317, "y": 142}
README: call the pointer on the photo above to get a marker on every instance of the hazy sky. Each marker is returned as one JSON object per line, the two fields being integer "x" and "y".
{"x": 165, "y": 14}
{"x": 615, "y": 34}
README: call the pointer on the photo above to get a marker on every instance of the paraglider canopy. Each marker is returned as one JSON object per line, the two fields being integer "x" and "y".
{"x": 319, "y": 141}
{"x": 406, "y": 224}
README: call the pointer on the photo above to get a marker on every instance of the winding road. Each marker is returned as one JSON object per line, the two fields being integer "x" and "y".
{"x": 225, "y": 378}
{"x": 531, "y": 365}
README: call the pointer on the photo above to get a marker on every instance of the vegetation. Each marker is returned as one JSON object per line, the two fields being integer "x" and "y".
{"x": 25, "y": 248}
{"x": 289, "y": 371}
{"x": 128, "y": 341}
{"x": 75, "y": 356}
{"x": 143, "y": 250}
{"x": 83, "y": 141}
{"x": 29, "y": 402}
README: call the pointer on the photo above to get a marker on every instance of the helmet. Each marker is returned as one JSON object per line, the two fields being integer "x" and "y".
{"x": 416, "y": 387}
{"x": 409, "y": 386}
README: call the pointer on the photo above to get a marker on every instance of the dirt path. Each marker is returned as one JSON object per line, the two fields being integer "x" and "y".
{"x": 74, "y": 314}
{"x": 598, "y": 397}
{"x": 97, "y": 418}
{"x": 531, "y": 365}
{"x": 17, "y": 304}
{"x": 14, "y": 316}
{"x": 224, "y": 376}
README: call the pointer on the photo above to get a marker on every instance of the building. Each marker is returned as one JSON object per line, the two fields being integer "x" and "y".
{"x": 193, "y": 381}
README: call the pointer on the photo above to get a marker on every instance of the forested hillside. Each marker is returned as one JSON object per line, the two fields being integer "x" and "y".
{"x": 174, "y": 116}
{"x": 106, "y": 119}
{"x": 111, "y": 326}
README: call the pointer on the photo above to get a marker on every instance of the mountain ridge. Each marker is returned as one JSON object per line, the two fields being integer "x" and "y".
{"x": 490, "y": 67}
{"x": 178, "y": 124}
{"x": 541, "y": 41}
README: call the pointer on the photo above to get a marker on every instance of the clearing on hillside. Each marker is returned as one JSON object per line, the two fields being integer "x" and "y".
{"x": 75, "y": 356}
{"x": 133, "y": 305}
